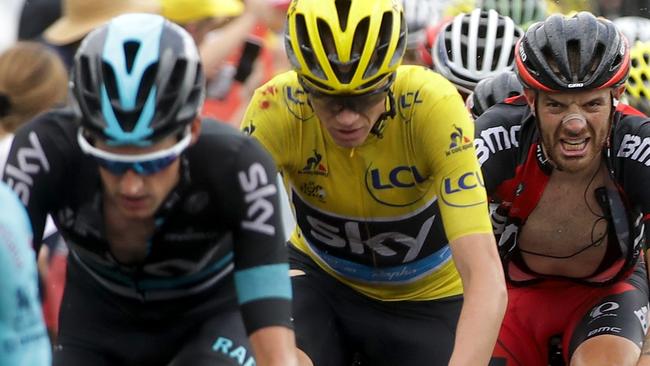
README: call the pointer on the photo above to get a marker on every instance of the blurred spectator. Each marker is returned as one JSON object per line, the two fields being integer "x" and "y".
{"x": 637, "y": 87}
{"x": 36, "y": 16}
{"x": 238, "y": 45}
{"x": 32, "y": 79}
{"x": 82, "y": 16}
{"x": 474, "y": 46}
{"x": 9, "y": 15}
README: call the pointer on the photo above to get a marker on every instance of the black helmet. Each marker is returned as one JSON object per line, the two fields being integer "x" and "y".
{"x": 137, "y": 79}
{"x": 581, "y": 52}
{"x": 493, "y": 90}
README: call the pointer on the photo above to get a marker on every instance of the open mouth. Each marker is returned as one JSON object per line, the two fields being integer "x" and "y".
{"x": 574, "y": 147}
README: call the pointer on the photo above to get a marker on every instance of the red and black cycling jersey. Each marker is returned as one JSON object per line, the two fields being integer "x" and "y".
{"x": 516, "y": 171}
{"x": 221, "y": 222}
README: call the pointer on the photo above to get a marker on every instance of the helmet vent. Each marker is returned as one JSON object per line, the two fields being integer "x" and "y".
{"x": 173, "y": 87}
{"x": 344, "y": 70}
{"x": 381, "y": 47}
{"x": 306, "y": 47}
{"x": 343, "y": 11}
{"x": 131, "y": 49}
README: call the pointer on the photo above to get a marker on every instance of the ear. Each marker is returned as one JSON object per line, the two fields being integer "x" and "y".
{"x": 195, "y": 129}
{"x": 530, "y": 95}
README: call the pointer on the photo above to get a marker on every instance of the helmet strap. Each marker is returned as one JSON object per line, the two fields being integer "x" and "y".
{"x": 378, "y": 127}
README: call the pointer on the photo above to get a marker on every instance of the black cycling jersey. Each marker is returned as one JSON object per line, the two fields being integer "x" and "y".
{"x": 516, "y": 171}
{"x": 221, "y": 218}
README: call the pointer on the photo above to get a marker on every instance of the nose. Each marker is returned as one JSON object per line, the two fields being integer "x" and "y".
{"x": 131, "y": 184}
{"x": 574, "y": 123}
{"x": 347, "y": 117}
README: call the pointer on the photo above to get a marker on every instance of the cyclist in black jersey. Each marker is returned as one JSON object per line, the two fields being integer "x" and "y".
{"x": 569, "y": 166}
{"x": 176, "y": 250}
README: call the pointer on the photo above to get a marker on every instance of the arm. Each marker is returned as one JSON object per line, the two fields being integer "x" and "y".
{"x": 644, "y": 359}
{"x": 274, "y": 346}
{"x": 261, "y": 269}
{"x": 218, "y": 45}
{"x": 479, "y": 266}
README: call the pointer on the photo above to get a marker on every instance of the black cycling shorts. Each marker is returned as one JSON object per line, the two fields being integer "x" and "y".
{"x": 99, "y": 328}
{"x": 333, "y": 322}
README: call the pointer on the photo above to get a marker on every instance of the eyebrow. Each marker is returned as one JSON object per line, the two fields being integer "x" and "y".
{"x": 596, "y": 99}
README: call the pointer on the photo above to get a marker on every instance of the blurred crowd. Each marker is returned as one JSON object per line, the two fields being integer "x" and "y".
{"x": 241, "y": 42}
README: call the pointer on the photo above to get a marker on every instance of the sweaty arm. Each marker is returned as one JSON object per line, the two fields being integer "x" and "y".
{"x": 261, "y": 266}
{"x": 463, "y": 205}
{"x": 485, "y": 295}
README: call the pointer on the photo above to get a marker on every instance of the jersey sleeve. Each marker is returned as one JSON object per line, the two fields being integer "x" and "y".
{"x": 497, "y": 141}
{"x": 273, "y": 106}
{"x": 444, "y": 133}
{"x": 633, "y": 152}
{"x": 36, "y": 164}
{"x": 21, "y": 317}
{"x": 261, "y": 266}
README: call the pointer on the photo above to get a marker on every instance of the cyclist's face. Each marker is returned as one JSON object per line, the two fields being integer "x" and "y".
{"x": 574, "y": 126}
{"x": 349, "y": 119}
{"x": 138, "y": 196}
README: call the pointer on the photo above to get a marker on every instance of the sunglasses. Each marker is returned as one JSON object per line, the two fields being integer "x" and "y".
{"x": 354, "y": 102}
{"x": 142, "y": 164}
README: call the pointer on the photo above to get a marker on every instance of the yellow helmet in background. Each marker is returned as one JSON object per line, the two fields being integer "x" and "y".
{"x": 637, "y": 87}
{"x": 345, "y": 46}
{"x": 186, "y": 11}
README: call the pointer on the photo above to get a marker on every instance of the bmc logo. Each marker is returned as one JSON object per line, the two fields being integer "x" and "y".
{"x": 604, "y": 308}
{"x": 257, "y": 187}
{"x": 31, "y": 160}
{"x": 398, "y": 177}
{"x": 633, "y": 147}
{"x": 492, "y": 140}
{"x": 454, "y": 190}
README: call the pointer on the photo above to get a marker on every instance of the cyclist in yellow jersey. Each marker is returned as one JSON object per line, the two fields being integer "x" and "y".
{"x": 392, "y": 221}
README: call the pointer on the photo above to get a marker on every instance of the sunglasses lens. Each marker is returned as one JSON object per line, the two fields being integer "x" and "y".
{"x": 147, "y": 167}
{"x": 358, "y": 103}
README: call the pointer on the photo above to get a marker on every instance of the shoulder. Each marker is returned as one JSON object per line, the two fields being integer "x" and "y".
{"x": 631, "y": 135}
{"x": 426, "y": 82}
{"x": 58, "y": 125}
{"x": 220, "y": 145}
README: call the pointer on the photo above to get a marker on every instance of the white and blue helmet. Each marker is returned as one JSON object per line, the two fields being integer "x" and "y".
{"x": 136, "y": 80}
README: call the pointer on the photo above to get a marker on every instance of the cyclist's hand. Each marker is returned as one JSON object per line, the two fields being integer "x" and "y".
{"x": 261, "y": 9}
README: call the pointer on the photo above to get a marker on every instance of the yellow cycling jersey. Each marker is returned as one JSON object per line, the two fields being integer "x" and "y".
{"x": 379, "y": 216}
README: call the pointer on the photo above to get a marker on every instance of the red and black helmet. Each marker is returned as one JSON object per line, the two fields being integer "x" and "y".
{"x": 577, "y": 53}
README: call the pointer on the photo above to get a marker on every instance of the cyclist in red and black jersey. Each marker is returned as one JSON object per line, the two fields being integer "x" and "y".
{"x": 568, "y": 165}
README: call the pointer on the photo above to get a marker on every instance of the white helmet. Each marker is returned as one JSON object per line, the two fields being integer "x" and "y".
{"x": 474, "y": 46}
{"x": 634, "y": 28}
{"x": 419, "y": 15}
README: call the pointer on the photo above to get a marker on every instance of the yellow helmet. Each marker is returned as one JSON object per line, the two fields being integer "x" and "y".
{"x": 345, "y": 46}
{"x": 637, "y": 88}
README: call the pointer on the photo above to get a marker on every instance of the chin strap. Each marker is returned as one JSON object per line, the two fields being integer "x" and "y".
{"x": 378, "y": 127}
